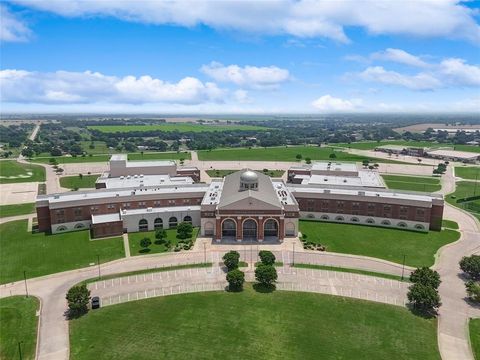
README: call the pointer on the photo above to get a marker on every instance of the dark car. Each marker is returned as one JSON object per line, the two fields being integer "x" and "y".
{"x": 95, "y": 302}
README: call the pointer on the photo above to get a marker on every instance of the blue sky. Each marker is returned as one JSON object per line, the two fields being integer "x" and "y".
{"x": 239, "y": 57}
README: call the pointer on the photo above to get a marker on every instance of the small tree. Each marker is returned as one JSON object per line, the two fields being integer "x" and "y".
{"x": 231, "y": 260}
{"x": 160, "y": 235}
{"x": 267, "y": 257}
{"x": 80, "y": 176}
{"x": 299, "y": 157}
{"x": 426, "y": 276}
{"x": 471, "y": 266}
{"x": 473, "y": 290}
{"x": 308, "y": 160}
{"x": 145, "y": 243}
{"x": 424, "y": 298}
{"x": 78, "y": 298}
{"x": 266, "y": 274}
{"x": 332, "y": 155}
{"x": 184, "y": 230}
{"x": 235, "y": 279}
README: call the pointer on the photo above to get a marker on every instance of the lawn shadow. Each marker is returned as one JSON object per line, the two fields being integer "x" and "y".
{"x": 145, "y": 251}
{"x": 233, "y": 289}
{"x": 422, "y": 313}
{"x": 263, "y": 288}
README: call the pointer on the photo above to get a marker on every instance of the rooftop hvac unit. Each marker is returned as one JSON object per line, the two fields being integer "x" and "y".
{"x": 141, "y": 175}
{"x": 128, "y": 176}
{"x": 56, "y": 196}
{"x": 122, "y": 177}
{"x": 326, "y": 191}
{"x": 149, "y": 209}
{"x": 361, "y": 193}
{"x": 135, "y": 176}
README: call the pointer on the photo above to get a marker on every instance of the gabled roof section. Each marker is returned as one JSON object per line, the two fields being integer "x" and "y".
{"x": 232, "y": 197}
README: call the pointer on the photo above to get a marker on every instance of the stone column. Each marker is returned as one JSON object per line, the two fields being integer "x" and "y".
{"x": 239, "y": 229}
{"x": 260, "y": 229}
{"x": 218, "y": 229}
{"x": 281, "y": 229}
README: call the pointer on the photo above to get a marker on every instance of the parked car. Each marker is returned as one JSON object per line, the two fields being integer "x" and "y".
{"x": 95, "y": 302}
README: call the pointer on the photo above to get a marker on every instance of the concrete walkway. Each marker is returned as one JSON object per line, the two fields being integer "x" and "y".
{"x": 126, "y": 245}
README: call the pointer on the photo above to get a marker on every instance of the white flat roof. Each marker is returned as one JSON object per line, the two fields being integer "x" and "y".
{"x": 334, "y": 166}
{"x": 105, "y": 218}
{"x": 364, "y": 178}
{"x": 145, "y": 180}
{"x": 213, "y": 193}
{"x": 150, "y": 163}
{"x": 157, "y": 210}
{"x": 117, "y": 157}
{"x": 454, "y": 153}
{"x": 283, "y": 193}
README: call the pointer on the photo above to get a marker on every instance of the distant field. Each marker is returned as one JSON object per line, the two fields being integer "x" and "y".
{"x": 470, "y": 172}
{"x": 12, "y": 171}
{"x": 16, "y": 209}
{"x": 18, "y": 325}
{"x": 223, "y": 173}
{"x": 466, "y": 189}
{"x": 282, "y": 154}
{"x": 105, "y": 158}
{"x": 370, "y": 145}
{"x": 180, "y": 127}
{"x": 75, "y": 182}
{"x": 100, "y": 147}
{"x": 412, "y": 183}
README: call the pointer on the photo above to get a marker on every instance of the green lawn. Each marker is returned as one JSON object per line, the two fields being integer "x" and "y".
{"x": 449, "y": 224}
{"x": 370, "y": 145}
{"x": 18, "y": 324}
{"x": 281, "y": 154}
{"x": 223, "y": 173}
{"x": 470, "y": 172}
{"x": 135, "y": 238}
{"x": 16, "y": 209}
{"x": 170, "y": 127}
{"x": 251, "y": 325}
{"x": 105, "y": 157}
{"x": 12, "y": 171}
{"x": 40, "y": 254}
{"x": 412, "y": 183}
{"x": 100, "y": 147}
{"x": 349, "y": 270}
{"x": 75, "y": 182}
{"x": 466, "y": 189}
{"x": 474, "y": 325}
{"x": 389, "y": 244}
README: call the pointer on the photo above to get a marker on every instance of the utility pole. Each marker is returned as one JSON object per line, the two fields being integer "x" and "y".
{"x": 98, "y": 263}
{"x": 25, "y": 279}
{"x": 403, "y": 266}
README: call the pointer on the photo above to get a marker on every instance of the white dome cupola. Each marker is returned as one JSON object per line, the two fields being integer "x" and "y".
{"x": 248, "y": 180}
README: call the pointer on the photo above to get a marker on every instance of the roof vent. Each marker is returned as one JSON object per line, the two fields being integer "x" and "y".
{"x": 122, "y": 177}
{"x": 56, "y": 196}
{"x": 149, "y": 209}
{"x": 326, "y": 191}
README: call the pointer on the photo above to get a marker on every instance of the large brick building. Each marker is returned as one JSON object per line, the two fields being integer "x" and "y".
{"x": 245, "y": 205}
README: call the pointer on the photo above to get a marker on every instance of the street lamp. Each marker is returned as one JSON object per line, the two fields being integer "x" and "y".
{"x": 98, "y": 263}
{"x": 20, "y": 349}
{"x": 25, "y": 279}
{"x": 403, "y": 266}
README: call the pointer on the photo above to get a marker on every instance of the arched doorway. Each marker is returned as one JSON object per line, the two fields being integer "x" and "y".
{"x": 229, "y": 229}
{"x": 249, "y": 229}
{"x": 158, "y": 223}
{"x": 143, "y": 225}
{"x": 270, "y": 229}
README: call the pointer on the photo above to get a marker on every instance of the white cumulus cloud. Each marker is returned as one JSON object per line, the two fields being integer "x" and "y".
{"x": 20, "y": 86}
{"x": 12, "y": 28}
{"x": 247, "y": 76}
{"x": 460, "y": 73}
{"x": 303, "y": 18}
{"x": 399, "y": 56}
{"x": 328, "y": 103}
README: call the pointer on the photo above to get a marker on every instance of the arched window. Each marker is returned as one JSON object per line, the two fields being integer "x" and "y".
{"x": 386, "y": 222}
{"x": 229, "y": 228}
{"x": 143, "y": 225}
{"x": 419, "y": 227}
{"x": 370, "y": 221}
{"x": 62, "y": 228}
{"x": 324, "y": 217}
{"x": 354, "y": 219}
{"x": 339, "y": 218}
{"x": 250, "y": 229}
{"x": 172, "y": 222}
{"x": 402, "y": 225}
{"x": 270, "y": 228}
{"x": 158, "y": 223}
{"x": 79, "y": 226}
{"x": 187, "y": 219}
{"x": 311, "y": 216}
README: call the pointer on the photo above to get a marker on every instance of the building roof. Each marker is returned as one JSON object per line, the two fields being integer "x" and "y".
{"x": 158, "y": 210}
{"x": 118, "y": 157}
{"x": 264, "y": 193}
{"x": 364, "y": 178}
{"x": 454, "y": 154}
{"x": 334, "y": 166}
{"x": 143, "y": 180}
{"x": 105, "y": 218}
{"x": 150, "y": 163}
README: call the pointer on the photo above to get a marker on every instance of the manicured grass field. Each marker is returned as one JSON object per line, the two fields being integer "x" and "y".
{"x": 466, "y": 189}
{"x": 170, "y": 127}
{"x": 18, "y": 324}
{"x": 16, "y": 209}
{"x": 474, "y": 325}
{"x": 470, "y": 172}
{"x": 412, "y": 183}
{"x": 40, "y": 254}
{"x": 251, "y": 325}
{"x": 389, "y": 244}
{"x": 449, "y": 224}
{"x": 105, "y": 158}
{"x": 135, "y": 238}
{"x": 12, "y": 171}
{"x": 75, "y": 182}
{"x": 281, "y": 154}
{"x": 223, "y": 173}
{"x": 370, "y": 145}
{"x": 100, "y": 147}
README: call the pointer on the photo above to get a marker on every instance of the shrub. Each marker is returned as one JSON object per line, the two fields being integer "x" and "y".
{"x": 473, "y": 290}
{"x": 235, "y": 279}
{"x": 78, "y": 298}
{"x": 184, "y": 230}
{"x": 471, "y": 266}
{"x": 145, "y": 243}
{"x": 266, "y": 274}
{"x": 231, "y": 259}
{"x": 426, "y": 276}
{"x": 424, "y": 298}
{"x": 267, "y": 257}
